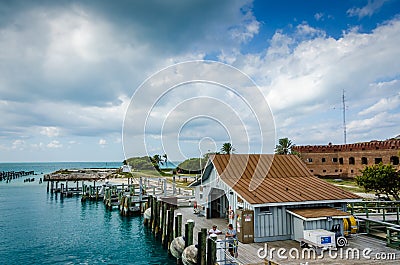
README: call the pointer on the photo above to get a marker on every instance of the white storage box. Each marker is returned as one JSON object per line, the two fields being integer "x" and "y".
{"x": 320, "y": 237}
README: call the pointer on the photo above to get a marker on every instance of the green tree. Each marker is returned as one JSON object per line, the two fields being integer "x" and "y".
{"x": 285, "y": 147}
{"x": 227, "y": 148}
{"x": 141, "y": 163}
{"x": 382, "y": 179}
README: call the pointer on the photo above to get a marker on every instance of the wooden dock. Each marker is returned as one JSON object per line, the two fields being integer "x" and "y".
{"x": 248, "y": 253}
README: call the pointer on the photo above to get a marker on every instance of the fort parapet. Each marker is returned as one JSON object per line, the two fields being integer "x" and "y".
{"x": 346, "y": 161}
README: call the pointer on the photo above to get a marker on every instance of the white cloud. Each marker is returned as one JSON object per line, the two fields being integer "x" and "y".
{"x": 19, "y": 144}
{"x": 102, "y": 142}
{"x": 54, "y": 144}
{"x": 384, "y": 104}
{"x": 379, "y": 121}
{"x": 39, "y": 146}
{"x": 50, "y": 131}
{"x": 319, "y": 16}
{"x": 368, "y": 10}
{"x": 305, "y": 30}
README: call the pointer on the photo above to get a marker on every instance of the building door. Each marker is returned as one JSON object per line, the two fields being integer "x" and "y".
{"x": 298, "y": 228}
{"x": 219, "y": 204}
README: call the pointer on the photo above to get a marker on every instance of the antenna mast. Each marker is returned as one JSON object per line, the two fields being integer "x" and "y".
{"x": 344, "y": 117}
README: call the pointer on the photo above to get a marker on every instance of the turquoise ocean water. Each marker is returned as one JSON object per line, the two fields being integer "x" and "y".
{"x": 41, "y": 228}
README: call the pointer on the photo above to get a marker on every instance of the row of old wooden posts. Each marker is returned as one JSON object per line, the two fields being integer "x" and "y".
{"x": 7, "y": 176}
{"x": 160, "y": 218}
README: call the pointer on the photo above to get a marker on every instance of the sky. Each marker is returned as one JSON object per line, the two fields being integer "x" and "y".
{"x": 76, "y": 77}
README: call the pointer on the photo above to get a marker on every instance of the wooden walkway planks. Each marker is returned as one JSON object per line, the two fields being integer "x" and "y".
{"x": 247, "y": 253}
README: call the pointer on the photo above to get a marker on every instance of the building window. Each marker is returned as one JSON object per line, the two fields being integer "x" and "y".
{"x": 309, "y": 160}
{"x": 334, "y": 160}
{"x": 337, "y": 205}
{"x": 352, "y": 171}
{"x": 336, "y": 170}
{"x": 394, "y": 160}
{"x": 341, "y": 160}
{"x": 265, "y": 209}
{"x": 324, "y": 170}
{"x": 323, "y": 160}
{"x": 311, "y": 170}
{"x": 378, "y": 160}
{"x": 364, "y": 160}
{"x": 352, "y": 161}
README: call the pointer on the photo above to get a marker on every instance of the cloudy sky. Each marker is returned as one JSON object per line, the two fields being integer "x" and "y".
{"x": 69, "y": 70}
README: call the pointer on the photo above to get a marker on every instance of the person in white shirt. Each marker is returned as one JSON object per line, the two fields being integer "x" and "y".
{"x": 214, "y": 230}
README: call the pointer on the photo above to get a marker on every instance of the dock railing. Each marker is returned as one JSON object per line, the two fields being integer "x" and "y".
{"x": 377, "y": 210}
{"x": 380, "y": 219}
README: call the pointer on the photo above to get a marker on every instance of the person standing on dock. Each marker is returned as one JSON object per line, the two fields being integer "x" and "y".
{"x": 214, "y": 230}
{"x": 232, "y": 240}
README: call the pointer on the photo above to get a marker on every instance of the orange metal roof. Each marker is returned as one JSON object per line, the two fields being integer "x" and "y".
{"x": 264, "y": 178}
{"x": 310, "y": 213}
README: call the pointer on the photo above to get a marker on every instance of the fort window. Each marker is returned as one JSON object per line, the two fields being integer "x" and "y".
{"x": 378, "y": 160}
{"x": 352, "y": 161}
{"x": 394, "y": 160}
{"x": 336, "y": 170}
{"x": 341, "y": 160}
{"x": 334, "y": 160}
{"x": 352, "y": 171}
{"x": 364, "y": 160}
{"x": 309, "y": 160}
{"x": 323, "y": 160}
{"x": 311, "y": 170}
{"x": 324, "y": 170}
{"x": 377, "y": 147}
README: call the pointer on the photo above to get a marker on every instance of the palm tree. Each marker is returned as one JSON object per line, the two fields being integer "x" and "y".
{"x": 227, "y": 148}
{"x": 284, "y": 147}
{"x": 157, "y": 159}
{"x": 165, "y": 159}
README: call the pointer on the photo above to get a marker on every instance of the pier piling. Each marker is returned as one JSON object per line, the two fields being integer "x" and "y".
{"x": 212, "y": 249}
{"x": 202, "y": 246}
{"x": 189, "y": 232}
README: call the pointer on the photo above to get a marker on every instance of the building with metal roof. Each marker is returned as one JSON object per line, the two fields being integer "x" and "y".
{"x": 265, "y": 191}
